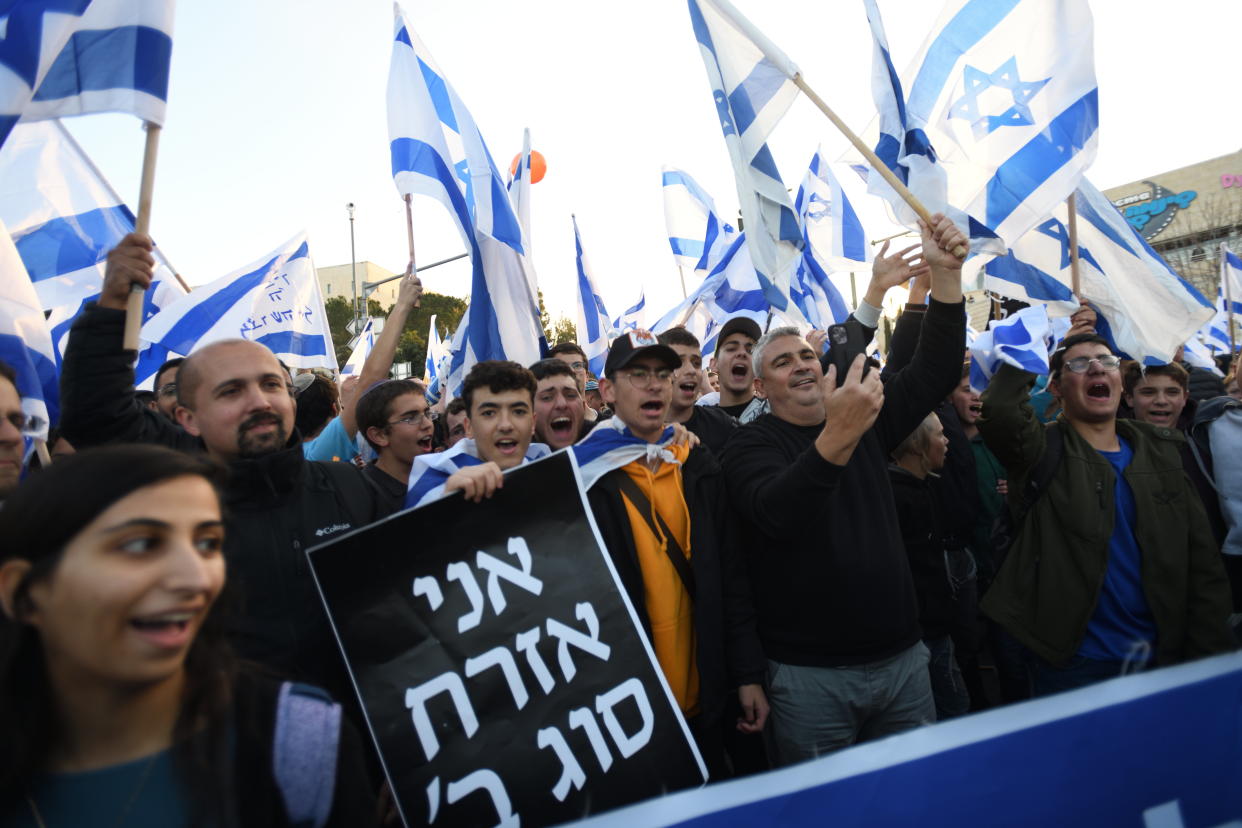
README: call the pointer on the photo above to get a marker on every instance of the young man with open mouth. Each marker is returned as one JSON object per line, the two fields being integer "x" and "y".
{"x": 710, "y": 423}
{"x": 396, "y": 421}
{"x": 559, "y": 408}
{"x": 1114, "y": 567}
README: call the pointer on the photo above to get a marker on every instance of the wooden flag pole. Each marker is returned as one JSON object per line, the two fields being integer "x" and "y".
{"x": 682, "y": 274}
{"x": 1075, "y": 279}
{"x": 409, "y": 231}
{"x": 874, "y": 242}
{"x": 142, "y": 224}
{"x": 45, "y": 459}
{"x": 872, "y": 159}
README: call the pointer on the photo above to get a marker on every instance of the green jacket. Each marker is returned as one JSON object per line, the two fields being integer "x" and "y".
{"x": 1047, "y": 589}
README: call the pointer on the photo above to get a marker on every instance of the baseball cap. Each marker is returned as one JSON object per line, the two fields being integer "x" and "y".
{"x": 738, "y": 324}
{"x": 634, "y": 344}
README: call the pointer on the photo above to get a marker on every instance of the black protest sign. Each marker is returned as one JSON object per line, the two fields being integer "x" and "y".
{"x": 501, "y": 670}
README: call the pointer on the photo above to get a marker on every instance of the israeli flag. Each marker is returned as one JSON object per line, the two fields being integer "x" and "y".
{"x": 611, "y": 445}
{"x": 25, "y": 343}
{"x": 64, "y": 217}
{"x": 431, "y": 471}
{"x": 753, "y": 88}
{"x": 1200, "y": 354}
{"x": 592, "y": 315}
{"x": 362, "y": 350}
{"x": 1002, "y": 96}
{"x": 1022, "y": 340}
{"x": 1214, "y": 336}
{"x": 519, "y": 189}
{"x": 634, "y": 316}
{"x": 1147, "y": 308}
{"x": 812, "y": 291}
{"x": 434, "y": 351}
{"x": 96, "y": 56}
{"x": 438, "y": 151}
{"x": 274, "y": 301}
{"x": 698, "y": 236}
{"x": 1230, "y": 280}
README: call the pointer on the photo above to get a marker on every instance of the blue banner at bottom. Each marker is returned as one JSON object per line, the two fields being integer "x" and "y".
{"x": 1155, "y": 750}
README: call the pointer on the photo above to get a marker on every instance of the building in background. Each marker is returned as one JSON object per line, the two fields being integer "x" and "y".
{"x": 1185, "y": 214}
{"x": 337, "y": 280}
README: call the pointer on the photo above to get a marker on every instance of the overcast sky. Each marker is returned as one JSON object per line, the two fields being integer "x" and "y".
{"x": 276, "y": 119}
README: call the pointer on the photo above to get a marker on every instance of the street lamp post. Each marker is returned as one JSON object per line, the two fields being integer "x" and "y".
{"x": 353, "y": 264}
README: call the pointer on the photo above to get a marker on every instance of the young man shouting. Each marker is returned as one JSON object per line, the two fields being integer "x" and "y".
{"x": 396, "y": 421}
{"x": 710, "y": 423}
{"x": 559, "y": 408}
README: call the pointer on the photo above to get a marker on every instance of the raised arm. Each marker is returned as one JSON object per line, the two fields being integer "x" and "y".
{"x": 378, "y": 363}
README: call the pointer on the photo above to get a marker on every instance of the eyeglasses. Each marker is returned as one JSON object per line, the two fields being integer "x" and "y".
{"x": 416, "y": 419}
{"x": 642, "y": 377}
{"x": 1079, "y": 365}
{"x": 28, "y": 424}
{"x": 168, "y": 389}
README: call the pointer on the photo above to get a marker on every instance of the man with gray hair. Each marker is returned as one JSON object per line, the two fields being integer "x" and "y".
{"x": 837, "y": 612}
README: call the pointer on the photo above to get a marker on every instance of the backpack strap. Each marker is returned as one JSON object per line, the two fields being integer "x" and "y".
{"x": 671, "y": 547}
{"x": 1041, "y": 476}
{"x": 304, "y": 752}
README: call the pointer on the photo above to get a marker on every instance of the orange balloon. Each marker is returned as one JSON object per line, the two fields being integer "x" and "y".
{"x": 538, "y": 166}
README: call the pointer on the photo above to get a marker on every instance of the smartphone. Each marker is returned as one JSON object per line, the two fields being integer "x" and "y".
{"x": 844, "y": 344}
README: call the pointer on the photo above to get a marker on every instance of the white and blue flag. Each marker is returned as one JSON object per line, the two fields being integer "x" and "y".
{"x": 362, "y": 349}
{"x": 752, "y": 88}
{"x": 1023, "y": 340}
{"x": 818, "y": 204}
{"x": 437, "y": 151}
{"x": 116, "y": 58}
{"x": 64, "y": 217}
{"x": 696, "y": 233}
{"x": 25, "y": 343}
{"x": 431, "y": 471}
{"x": 612, "y": 445}
{"x": 1003, "y": 94}
{"x": 519, "y": 189}
{"x": 1230, "y": 280}
{"x": 595, "y": 326}
{"x": 274, "y": 301}
{"x": 634, "y": 316}
{"x": 1143, "y": 305}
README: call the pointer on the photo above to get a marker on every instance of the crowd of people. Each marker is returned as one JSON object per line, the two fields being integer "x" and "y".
{"x": 821, "y": 551}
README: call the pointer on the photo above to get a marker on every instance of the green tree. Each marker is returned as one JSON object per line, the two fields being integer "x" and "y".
{"x": 564, "y": 330}
{"x": 412, "y": 347}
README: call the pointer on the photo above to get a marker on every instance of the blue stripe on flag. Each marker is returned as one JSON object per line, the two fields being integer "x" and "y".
{"x": 198, "y": 320}
{"x": 404, "y": 37}
{"x": 970, "y": 25}
{"x": 294, "y": 342}
{"x": 36, "y": 374}
{"x": 853, "y": 238}
{"x": 21, "y": 47}
{"x": 127, "y": 57}
{"x": 438, "y": 90}
{"x": 753, "y": 93}
{"x": 1037, "y": 284}
{"x": 412, "y": 155}
{"x": 1028, "y": 168}
{"x": 686, "y": 247}
{"x": 66, "y": 245}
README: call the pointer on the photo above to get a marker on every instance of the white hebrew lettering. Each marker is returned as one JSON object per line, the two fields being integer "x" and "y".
{"x": 462, "y": 573}
{"x": 571, "y": 772}
{"x": 582, "y": 718}
{"x": 497, "y": 569}
{"x": 604, "y": 704}
{"x": 488, "y": 781}
{"x": 568, "y": 635}
{"x": 502, "y": 658}
{"x": 428, "y": 586}
{"x": 526, "y": 644}
{"x": 433, "y": 800}
{"x": 416, "y": 700}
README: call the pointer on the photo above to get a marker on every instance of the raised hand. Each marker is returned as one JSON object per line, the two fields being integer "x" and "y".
{"x": 129, "y": 263}
{"x": 890, "y": 271}
{"x": 476, "y": 482}
{"x": 849, "y": 411}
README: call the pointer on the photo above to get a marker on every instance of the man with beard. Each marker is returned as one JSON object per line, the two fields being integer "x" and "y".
{"x": 1114, "y": 565}
{"x": 710, "y": 423}
{"x": 397, "y": 423}
{"x": 560, "y": 411}
{"x": 235, "y": 402}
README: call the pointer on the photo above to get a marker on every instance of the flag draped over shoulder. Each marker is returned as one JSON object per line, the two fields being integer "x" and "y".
{"x": 592, "y": 315}
{"x": 274, "y": 301}
{"x": 697, "y": 235}
{"x": 431, "y": 471}
{"x": 437, "y": 151}
{"x": 25, "y": 344}
{"x": 752, "y": 91}
{"x": 64, "y": 217}
{"x": 1002, "y": 96}
{"x": 1144, "y": 306}
{"x": 611, "y": 445}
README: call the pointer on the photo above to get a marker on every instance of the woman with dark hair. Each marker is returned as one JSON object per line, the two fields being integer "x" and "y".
{"x": 120, "y": 702}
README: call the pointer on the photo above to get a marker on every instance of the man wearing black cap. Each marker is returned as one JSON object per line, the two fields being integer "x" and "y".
{"x": 736, "y": 374}
{"x": 659, "y": 511}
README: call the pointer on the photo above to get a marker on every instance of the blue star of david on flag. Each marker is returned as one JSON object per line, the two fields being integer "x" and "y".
{"x": 1056, "y": 230}
{"x": 1005, "y": 77}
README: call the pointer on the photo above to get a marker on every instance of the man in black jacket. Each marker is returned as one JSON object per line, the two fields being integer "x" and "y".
{"x": 235, "y": 403}
{"x": 663, "y": 520}
{"x": 837, "y": 611}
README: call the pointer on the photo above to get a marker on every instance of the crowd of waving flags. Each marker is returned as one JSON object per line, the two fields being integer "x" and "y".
{"x": 994, "y": 121}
